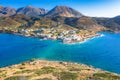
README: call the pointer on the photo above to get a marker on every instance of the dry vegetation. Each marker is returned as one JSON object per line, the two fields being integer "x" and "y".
{"x": 53, "y": 70}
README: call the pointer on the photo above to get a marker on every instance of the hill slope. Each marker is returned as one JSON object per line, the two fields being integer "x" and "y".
{"x": 111, "y": 23}
{"x": 38, "y": 70}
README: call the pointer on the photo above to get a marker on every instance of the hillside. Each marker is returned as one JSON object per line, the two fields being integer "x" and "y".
{"x": 113, "y": 24}
{"x": 53, "y": 70}
{"x": 19, "y": 20}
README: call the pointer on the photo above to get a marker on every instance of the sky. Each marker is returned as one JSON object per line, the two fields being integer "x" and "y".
{"x": 94, "y": 8}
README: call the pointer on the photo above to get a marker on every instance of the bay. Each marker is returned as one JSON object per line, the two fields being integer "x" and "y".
{"x": 100, "y": 52}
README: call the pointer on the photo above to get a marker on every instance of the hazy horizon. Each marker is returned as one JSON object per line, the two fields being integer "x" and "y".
{"x": 93, "y": 8}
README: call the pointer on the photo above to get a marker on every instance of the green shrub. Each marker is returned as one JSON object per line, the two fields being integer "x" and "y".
{"x": 67, "y": 76}
{"x": 23, "y": 71}
{"x": 106, "y": 76}
{"x": 22, "y": 67}
{"x": 2, "y": 71}
{"x": 45, "y": 70}
{"x": 75, "y": 69}
{"x": 33, "y": 59}
{"x": 48, "y": 68}
{"x": 23, "y": 64}
{"x": 18, "y": 78}
{"x": 3, "y": 75}
{"x": 44, "y": 79}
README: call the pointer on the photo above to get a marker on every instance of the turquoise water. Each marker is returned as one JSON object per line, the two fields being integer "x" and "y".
{"x": 101, "y": 52}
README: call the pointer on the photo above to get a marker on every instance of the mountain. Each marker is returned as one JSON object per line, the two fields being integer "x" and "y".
{"x": 111, "y": 23}
{"x": 62, "y": 15}
{"x": 83, "y": 23}
{"x": 14, "y": 21}
{"x": 31, "y": 11}
{"x": 63, "y": 11}
{"x": 7, "y": 11}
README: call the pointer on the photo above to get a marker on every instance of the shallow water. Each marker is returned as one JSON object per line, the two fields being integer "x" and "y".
{"x": 100, "y": 52}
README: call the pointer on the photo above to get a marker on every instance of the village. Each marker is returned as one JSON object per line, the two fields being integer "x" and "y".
{"x": 65, "y": 36}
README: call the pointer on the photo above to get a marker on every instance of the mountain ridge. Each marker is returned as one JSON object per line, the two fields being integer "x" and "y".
{"x": 31, "y": 11}
{"x": 7, "y": 11}
{"x": 59, "y": 14}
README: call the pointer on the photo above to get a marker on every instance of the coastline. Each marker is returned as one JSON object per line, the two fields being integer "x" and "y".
{"x": 40, "y": 69}
{"x": 87, "y": 39}
{"x": 83, "y": 40}
{"x": 65, "y": 36}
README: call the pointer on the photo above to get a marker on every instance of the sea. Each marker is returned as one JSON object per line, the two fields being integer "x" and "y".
{"x": 101, "y": 52}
